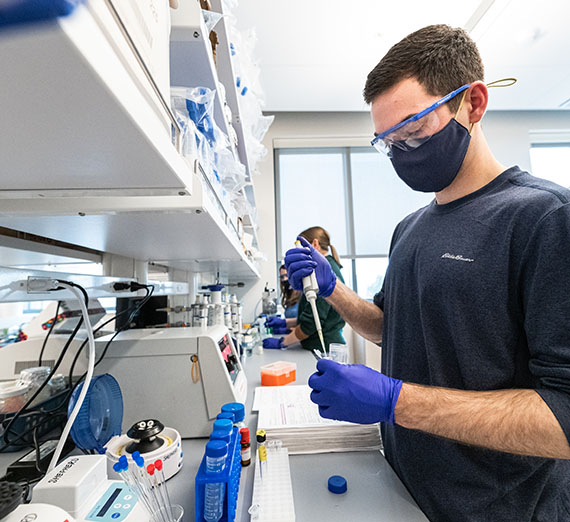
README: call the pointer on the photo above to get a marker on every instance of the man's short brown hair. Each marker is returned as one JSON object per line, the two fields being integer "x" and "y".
{"x": 440, "y": 57}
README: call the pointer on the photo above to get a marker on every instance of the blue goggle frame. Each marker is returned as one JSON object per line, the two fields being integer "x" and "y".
{"x": 421, "y": 114}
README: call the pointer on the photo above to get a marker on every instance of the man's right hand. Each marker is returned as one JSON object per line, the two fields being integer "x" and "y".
{"x": 301, "y": 262}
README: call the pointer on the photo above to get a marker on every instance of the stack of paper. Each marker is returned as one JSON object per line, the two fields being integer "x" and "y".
{"x": 287, "y": 413}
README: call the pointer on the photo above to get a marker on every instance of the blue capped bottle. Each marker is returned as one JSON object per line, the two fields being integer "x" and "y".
{"x": 216, "y": 453}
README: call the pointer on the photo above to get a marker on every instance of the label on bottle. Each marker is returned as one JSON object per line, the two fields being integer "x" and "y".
{"x": 246, "y": 454}
{"x": 262, "y": 452}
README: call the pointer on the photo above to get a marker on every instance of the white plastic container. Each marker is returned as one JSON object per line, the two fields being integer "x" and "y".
{"x": 339, "y": 352}
{"x": 13, "y": 396}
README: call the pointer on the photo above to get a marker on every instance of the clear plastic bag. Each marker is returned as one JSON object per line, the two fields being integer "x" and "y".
{"x": 197, "y": 103}
{"x": 211, "y": 18}
{"x": 232, "y": 172}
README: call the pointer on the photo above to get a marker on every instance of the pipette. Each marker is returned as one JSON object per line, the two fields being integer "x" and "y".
{"x": 311, "y": 289}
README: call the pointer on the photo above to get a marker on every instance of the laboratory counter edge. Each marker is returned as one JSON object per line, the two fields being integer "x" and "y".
{"x": 375, "y": 493}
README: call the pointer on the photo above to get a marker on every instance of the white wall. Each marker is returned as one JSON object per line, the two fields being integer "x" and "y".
{"x": 506, "y": 132}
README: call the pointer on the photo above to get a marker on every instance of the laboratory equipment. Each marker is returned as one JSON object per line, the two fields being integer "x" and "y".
{"x": 311, "y": 289}
{"x": 272, "y": 499}
{"x": 79, "y": 486}
{"x": 216, "y": 454}
{"x": 20, "y": 356}
{"x": 245, "y": 447}
{"x": 100, "y": 416}
{"x": 226, "y": 415}
{"x": 338, "y": 352}
{"x": 13, "y": 396}
{"x": 143, "y": 480}
{"x": 98, "y": 427}
{"x": 11, "y": 496}
{"x": 278, "y": 373}
{"x": 182, "y": 376}
{"x": 38, "y": 513}
{"x": 261, "y": 437}
{"x": 230, "y": 475}
{"x": 153, "y": 441}
{"x": 269, "y": 301}
{"x": 238, "y": 411}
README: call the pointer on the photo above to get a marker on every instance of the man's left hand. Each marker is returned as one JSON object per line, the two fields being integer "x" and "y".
{"x": 354, "y": 393}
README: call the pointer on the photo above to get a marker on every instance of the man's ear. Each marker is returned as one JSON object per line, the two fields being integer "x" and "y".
{"x": 476, "y": 101}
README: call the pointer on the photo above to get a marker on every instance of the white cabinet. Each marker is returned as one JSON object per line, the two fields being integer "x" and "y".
{"x": 86, "y": 147}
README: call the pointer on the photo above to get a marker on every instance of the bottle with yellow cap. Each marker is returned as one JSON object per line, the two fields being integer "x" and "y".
{"x": 262, "y": 451}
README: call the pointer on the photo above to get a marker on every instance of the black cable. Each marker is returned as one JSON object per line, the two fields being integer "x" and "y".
{"x": 133, "y": 310}
{"x": 80, "y": 349}
{"x": 149, "y": 290}
{"x": 51, "y": 374}
{"x": 49, "y": 333}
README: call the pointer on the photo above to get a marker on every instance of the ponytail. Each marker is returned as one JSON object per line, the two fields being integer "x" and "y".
{"x": 324, "y": 240}
{"x": 335, "y": 256}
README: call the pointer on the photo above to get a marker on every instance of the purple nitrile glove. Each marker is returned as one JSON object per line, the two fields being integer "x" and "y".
{"x": 275, "y": 322}
{"x": 281, "y": 331}
{"x": 273, "y": 343}
{"x": 300, "y": 262}
{"x": 354, "y": 393}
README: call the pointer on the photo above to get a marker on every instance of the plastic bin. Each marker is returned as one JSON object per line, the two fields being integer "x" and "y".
{"x": 27, "y": 422}
{"x": 278, "y": 373}
{"x": 230, "y": 475}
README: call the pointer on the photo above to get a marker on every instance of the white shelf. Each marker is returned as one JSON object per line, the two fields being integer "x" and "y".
{"x": 87, "y": 154}
{"x": 191, "y": 59}
{"x": 75, "y": 121}
{"x": 183, "y": 232}
{"x": 227, "y": 76}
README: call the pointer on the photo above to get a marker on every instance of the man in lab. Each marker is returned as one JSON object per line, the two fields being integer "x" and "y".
{"x": 473, "y": 316}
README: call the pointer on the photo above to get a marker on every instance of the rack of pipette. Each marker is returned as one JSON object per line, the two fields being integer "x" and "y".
{"x": 148, "y": 483}
{"x": 272, "y": 499}
{"x": 230, "y": 475}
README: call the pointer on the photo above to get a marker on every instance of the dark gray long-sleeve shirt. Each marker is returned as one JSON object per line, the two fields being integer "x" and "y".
{"x": 477, "y": 297}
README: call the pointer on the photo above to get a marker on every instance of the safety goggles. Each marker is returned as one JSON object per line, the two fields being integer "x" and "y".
{"x": 416, "y": 130}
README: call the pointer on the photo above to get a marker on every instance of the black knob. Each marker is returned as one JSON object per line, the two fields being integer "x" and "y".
{"x": 145, "y": 436}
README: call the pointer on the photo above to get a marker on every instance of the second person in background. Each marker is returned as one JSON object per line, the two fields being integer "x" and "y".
{"x": 332, "y": 323}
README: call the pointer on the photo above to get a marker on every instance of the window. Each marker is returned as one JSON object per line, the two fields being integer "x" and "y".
{"x": 352, "y": 192}
{"x": 550, "y": 161}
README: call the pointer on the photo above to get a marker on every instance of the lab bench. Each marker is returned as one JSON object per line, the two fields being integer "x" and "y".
{"x": 374, "y": 491}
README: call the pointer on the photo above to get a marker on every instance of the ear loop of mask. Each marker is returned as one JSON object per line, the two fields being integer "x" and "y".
{"x": 459, "y": 109}
{"x": 503, "y": 82}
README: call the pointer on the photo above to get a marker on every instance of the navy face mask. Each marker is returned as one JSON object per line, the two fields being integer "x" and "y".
{"x": 435, "y": 164}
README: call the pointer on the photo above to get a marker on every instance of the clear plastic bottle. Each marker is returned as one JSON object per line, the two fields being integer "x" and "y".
{"x": 216, "y": 453}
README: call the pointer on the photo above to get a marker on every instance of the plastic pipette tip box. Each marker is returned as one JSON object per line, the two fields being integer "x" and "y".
{"x": 278, "y": 373}
{"x": 230, "y": 475}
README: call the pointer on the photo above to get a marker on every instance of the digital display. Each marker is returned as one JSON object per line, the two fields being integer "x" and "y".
{"x": 229, "y": 358}
{"x": 109, "y": 503}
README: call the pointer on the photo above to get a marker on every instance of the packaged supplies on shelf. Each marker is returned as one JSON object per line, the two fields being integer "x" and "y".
{"x": 232, "y": 172}
{"x": 198, "y": 104}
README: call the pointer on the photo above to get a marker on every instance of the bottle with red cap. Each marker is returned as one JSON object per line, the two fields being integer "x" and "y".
{"x": 245, "y": 447}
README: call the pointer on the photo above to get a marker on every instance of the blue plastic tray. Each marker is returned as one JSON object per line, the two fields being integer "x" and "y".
{"x": 230, "y": 475}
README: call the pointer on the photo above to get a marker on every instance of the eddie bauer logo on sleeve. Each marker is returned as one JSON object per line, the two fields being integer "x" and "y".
{"x": 459, "y": 257}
